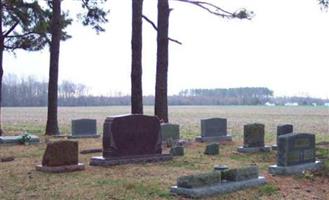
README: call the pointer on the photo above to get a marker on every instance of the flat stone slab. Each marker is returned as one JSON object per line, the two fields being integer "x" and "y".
{"x": 82, "y": 136}
{"x": 214, "y": 139}
{"x": 219, "y": 188}
{"x": 60, "y": 169}
{"x": 101, "y": 161}
{"x": 254, "y": 149}
{"x": 294, "y": 169}
{"x": 16, "y": 139}
{"x": 87, "y": 151}
{"x": 7, "y": 159}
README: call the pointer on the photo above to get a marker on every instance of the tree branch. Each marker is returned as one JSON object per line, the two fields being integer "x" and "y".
{"x": 11, "y": 29}
{"x": 156, "y": 28}
{"x": 216, "y": 10}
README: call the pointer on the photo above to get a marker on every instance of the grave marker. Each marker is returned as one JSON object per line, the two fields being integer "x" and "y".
{"x": 282, "y": 130}
{"x": 253, "y": 139}
{"x": 84, "y": 128}
{"x": 130, "y": 139}
{"x": 61, "y": 156}
{"x": 296, "y": 153}
{"x": 213, "y": 130}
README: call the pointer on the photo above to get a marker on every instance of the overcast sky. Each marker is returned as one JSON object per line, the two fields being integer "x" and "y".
{"x": 284, "y": 47}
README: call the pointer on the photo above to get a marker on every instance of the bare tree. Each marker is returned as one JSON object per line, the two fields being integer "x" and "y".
{"x": 161, "y": 88}
{"x": 136, "y": 58}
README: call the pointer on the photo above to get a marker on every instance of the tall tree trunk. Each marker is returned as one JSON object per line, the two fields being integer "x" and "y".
{"x": 161, "y": 98}
{"x": 52, "y": 123}
{"x": 136, "y": 58}
{"x": 1, "y": 63}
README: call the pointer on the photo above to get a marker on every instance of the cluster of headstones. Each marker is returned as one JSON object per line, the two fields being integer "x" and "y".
{"x": 139, "y": 138}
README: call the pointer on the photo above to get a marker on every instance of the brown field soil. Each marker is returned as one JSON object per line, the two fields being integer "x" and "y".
{"x": 20, "y": 180}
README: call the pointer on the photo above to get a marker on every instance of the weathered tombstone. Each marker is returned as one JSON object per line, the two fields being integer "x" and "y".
{"x": 19, "y": 139}
{"x": 296, "y": 153}
{"x": 240, "y": 174}
{"x": 253, "y": 139}
{"x": 177, "y": 151}
{"x": 84, "y": 128}
{"x": 282, "y": 130}
{"x": 217, "y": 182}
{"x": 169, "y": 131}
{"x": 131, "y": 139}
{"x": 61, "y": 156}
{"x": 212, "y": 149}
{"x": 213, "y": 129}
{"x": 199, "y": 180}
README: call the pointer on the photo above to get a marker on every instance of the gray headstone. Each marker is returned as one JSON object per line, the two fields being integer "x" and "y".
{"x": 283, "y": 129}
{"x": 169, "y": 131}
{"x": 84, "y": 127}
{"x": 213, "y": 127}
{"x": 177, "y": 151}
{"x": 254, "y": 135}
{"x": 212, "y": 149}
{"x": 295, "y": 149}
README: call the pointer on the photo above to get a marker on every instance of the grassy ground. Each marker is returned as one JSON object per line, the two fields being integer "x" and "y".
{"x": 19, "y": 180}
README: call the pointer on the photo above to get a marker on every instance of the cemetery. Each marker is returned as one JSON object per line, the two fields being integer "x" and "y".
{"x": 249, "y": 175}
{"x": 156, "y": 119}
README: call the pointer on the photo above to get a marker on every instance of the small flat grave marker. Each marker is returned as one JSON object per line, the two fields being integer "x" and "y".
{"x": 18, "y": 139}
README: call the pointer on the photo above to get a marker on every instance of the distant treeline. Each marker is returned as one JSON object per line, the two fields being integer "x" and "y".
{"x": 31, "y": 92}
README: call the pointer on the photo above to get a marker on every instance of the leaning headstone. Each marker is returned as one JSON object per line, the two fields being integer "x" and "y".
{"x": 296, "y": 153}
{"x": 169, "y": 131}
{"x": 282, "y": 130}
{"x": 212, "y": 149}
{"x": 84, "y": 128}
{"x": 216, "y": 182}
{"x": 131, "y": 139}
{"x": 213, "y": 130}
{"x": 253, "y": 139}
{"x": 61, "y": 156}
{"x": 20, "y": 139}
{"x": 177, "y": 151}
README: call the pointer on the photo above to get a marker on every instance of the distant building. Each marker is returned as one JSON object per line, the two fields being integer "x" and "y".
{"x": 269, "y": 104}
{"x": 291, "y": 104}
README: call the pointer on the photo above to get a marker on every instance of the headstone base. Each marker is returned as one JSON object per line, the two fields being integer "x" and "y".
{"x": 61, "y": 169}
{"x": 274, "y": 147}
{"x": 220, "y": 188}
{"x": 101, "y": 161}
{"x": 214, "y": 139}
{"x": 295, "y": 169}
{"x": 254, "y": 149}
{"x": 16, "y": 139}
{"x": 82, "y": 136}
